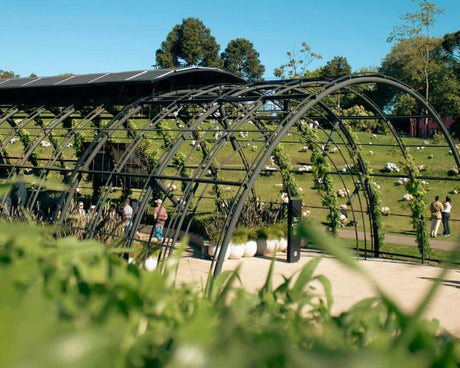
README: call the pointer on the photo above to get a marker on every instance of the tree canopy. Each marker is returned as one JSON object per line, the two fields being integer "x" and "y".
{"x": 336, "y": 67}
{"x": 419, "y": 69}
{"x": 451, "y": 44}
{"x": 189, "y": 43}
{"x": 4, "y": 74}
{"x": 406, "y": 62}
{"x": 240, "y": 58}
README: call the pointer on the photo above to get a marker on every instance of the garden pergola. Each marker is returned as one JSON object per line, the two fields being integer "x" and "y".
{"x": 199, "y": 138}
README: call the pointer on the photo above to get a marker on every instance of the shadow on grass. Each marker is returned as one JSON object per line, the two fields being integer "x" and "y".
{"x": 406, "y": 232}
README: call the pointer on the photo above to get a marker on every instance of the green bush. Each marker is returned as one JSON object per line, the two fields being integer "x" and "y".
{"x": 240, "y": 235}
{"x": 273, "y": 231}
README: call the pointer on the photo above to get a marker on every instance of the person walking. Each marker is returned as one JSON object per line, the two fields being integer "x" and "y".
{"x": 127, "y": 215}
{"x": 436, "y": 208}
{"x": 159, "y": 216}
{"x": 127, "y": 223}
{"x": 92, "y": 212}
{"x": 79, "y": 221}
{"x": 80, "y": 210}
{"x": 447, "y": 207}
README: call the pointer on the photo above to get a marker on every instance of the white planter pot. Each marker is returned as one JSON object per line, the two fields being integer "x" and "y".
{"x": 250, "y": 248}
{"x": 151, "y": 264}
{"x": 236, "y": 250}
{"x": 227, "y": 253}
{"x": 282, "y": 245}
{"x": 261, "y": 247}
{"x": 272, "y": 245}
{"x": 212, "y": 251}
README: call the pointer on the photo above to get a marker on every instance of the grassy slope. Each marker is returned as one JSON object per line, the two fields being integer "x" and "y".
{"x": 436, "y": 161}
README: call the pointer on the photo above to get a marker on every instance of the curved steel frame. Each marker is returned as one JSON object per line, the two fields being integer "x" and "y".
{"x": 206, "y": 139}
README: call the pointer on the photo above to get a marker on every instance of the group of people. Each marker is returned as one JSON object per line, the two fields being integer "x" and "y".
{"x": 440, "y": 212}
{"x": 160, "y": 215}
{"x": 119, "y": 220}
{"x": 80, "y": 210}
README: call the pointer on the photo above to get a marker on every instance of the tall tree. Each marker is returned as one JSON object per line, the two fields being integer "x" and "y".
{"x": 336, "y": 67}
{"x": 451, "y": 48}
{"x": 298, "y": 62}
{"x": 241, "y": 59}
{"x": 406, "y": 62}
{"x": 416, "y": 24}
{"x": 189, "y": 43}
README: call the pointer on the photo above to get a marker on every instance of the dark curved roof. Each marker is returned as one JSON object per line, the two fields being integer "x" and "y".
{"x": 112, "y": 88}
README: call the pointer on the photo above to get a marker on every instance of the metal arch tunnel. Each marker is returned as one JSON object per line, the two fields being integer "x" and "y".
{"x": 155, "y": 131}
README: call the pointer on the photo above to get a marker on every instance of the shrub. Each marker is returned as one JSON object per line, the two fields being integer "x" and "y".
{"x": 240, "y": 235}
{"x": 275, "y": 231}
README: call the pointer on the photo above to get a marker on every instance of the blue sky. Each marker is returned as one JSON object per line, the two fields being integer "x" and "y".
{"x": 51, "y": 37}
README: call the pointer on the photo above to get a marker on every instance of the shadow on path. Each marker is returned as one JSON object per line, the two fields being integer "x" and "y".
{"x": 451, "y": 283}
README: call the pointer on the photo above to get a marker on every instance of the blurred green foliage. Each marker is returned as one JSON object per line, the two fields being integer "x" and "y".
{"x": 67, "y": 303}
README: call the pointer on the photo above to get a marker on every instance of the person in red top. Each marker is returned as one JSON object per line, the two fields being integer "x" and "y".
{"x": 159, "y": 216}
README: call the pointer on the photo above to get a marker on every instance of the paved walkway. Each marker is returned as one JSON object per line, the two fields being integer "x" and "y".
{"x": 406, "y": 283}
{"x": 444, "y": 244}
{"x": 399, "y": 239}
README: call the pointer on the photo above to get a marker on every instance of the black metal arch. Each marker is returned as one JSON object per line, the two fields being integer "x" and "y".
{"x": 309, "y": 102}
{"x": 171, "y": 129}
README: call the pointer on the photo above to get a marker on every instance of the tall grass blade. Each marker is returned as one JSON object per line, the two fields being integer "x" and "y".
{"x": 305, "y": 276}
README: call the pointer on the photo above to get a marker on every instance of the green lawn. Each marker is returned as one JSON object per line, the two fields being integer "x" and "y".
{"x": 433, "y": 157}
{"x": 398, "y": 251}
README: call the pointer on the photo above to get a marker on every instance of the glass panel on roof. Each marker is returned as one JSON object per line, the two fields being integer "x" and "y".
{"x": 16, "y": 82}
{"x": 82, "y": 79}
{"x": 46, "y": 81}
